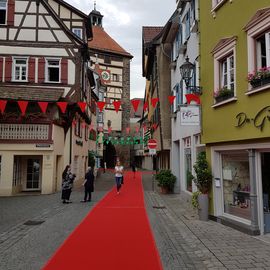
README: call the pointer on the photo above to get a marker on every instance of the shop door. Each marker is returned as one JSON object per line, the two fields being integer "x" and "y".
{"x": 33, "y": 174}
{"x": 266, "y": 190}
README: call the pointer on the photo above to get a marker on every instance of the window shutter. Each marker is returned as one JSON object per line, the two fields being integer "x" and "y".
{"x": 41, "y": 70}
{"x": 1, "y": 69}
{"x": 31, "y": 70}
{"x": 8, "y": 69}
{"x": 64, "y": 71}
{"x": 11, "y": 10}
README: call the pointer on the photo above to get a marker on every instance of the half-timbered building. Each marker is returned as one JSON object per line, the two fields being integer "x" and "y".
{"x": 43, "y": 61}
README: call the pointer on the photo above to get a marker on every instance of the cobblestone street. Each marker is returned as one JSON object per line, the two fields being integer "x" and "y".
{"x": 183, "y": 241}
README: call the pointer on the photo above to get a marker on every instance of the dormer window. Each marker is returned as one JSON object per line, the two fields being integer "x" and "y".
{"x": 77, "y": 32}
{"x": 3, "y": 11}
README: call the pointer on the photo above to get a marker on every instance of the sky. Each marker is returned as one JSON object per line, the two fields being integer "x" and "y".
{"x": 123, "y": 21}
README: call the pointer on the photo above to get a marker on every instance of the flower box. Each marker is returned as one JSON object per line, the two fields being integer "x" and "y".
{"x": 260, "y": 82}
{"x": 223, "y": 94}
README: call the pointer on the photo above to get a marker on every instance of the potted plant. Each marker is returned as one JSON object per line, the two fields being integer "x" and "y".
{"x": 223, "y": 94}
{"x": 259, "y": 77}
{"x": 166, "y": 180}
{"x": 203, "y": 181}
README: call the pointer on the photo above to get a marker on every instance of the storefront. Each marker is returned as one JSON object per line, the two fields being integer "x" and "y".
{"x": 241, "y": 187}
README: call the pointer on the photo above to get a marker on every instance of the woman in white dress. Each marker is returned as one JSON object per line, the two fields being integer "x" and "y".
{"x": 119, "y": 170}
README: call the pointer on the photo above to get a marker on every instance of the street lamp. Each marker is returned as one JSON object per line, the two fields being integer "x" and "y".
{"x": 187, "y": 71}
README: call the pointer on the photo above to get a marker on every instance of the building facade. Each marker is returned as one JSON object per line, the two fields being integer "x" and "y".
{"x": 113, "y": 64}
{"x": 43, "y": 60}
{"x": 236, "y": 109}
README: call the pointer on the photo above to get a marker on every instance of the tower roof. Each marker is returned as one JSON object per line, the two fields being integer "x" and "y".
{"x": 102, "y": 41}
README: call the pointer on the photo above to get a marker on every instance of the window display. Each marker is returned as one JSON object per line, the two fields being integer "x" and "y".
{"x": 236, "y": 184}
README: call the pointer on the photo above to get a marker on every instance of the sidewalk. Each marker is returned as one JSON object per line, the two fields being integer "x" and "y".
{"x": 184, "y": 242}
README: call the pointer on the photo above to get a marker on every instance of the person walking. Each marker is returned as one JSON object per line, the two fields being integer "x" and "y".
{"x": 119, "y": 171}
{"x": 133, "y": 166}
{"x": 88, "y": 185}
{"x": 67, "y": 184}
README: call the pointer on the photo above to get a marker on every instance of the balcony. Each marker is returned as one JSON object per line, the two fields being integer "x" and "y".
{"x": 25, "y": 133}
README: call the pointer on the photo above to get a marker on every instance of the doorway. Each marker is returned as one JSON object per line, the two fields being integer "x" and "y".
{"x": 265, "y": 161}
{"x": 33, "y": 174}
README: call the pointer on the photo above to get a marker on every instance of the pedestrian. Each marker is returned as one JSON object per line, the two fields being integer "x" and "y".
{"x": 119, "y": 170}
{"x": 133, "y": 166}
{"x": 88, "y": 185}
{"x": 67, "y": 184}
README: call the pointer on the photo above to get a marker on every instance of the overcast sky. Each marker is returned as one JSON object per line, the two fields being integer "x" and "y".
{"x": 123, "y": 21}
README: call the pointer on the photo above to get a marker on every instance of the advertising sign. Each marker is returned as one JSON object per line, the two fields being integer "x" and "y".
{"x": 190, "y": 116}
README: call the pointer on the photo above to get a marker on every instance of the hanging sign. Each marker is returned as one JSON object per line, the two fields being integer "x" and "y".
{"x": 190, "y": 116}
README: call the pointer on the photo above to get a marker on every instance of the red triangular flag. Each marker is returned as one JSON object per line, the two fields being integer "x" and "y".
{"x": 74, "y": 122}
{"x": 82, "y": 106}
{"x": 135, "y": 104}
{"x": 3, "y": 104}
{"x": 137, "y": 129}
{"x": 155, "y": 126}
{"x": 117, "y": 105}
{"x": 192, "y": 97}
{"x": 127, "y": 130}
{"x": 109, "y": 130}
{"x": 145, "y": 106}
{"x": 62, "y": 106}
{"x": 43, "y": 106}
{"x": 23, "y": 106}
{"x": 154, "y": 102}
{"x": 101, "y": 105}
{"x": 171, "y": 99}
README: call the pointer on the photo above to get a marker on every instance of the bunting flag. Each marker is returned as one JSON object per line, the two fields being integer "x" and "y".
{"x": 192, "y": 97}
{"x": 23, "y": 106}
{"x": 62, "y": 106}
{"x": 74, "y": 122}
{"x": 171, "y": 99}
{"x": 109, "y": 130}
{"x": 3, "y": 104}
{"x": 127, "y": 130}
{"x": 155, "y": 125}
{"x": 117, "y": 105}
{"x": 43, "y": 106}
{"x": 154, "y": 102}
{"x": 135, "y": 103}
{"x": 82, "y": 106}
{"x": 101, "y": 105}
{"x": 137, "y": 129}
{"x": 145, "y": 106}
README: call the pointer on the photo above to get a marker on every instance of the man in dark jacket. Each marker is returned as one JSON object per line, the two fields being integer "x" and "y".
{"x": 88, "y": 184}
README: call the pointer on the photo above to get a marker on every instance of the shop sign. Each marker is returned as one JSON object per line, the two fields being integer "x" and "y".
{"x": 43, "y": 145}
{"x": 259, "y": 120}
{"x": 190, "y": 116}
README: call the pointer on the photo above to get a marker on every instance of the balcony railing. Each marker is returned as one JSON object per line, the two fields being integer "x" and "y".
{"x": 25, "y": 132}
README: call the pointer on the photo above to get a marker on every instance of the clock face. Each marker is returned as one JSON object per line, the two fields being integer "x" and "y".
{"x": 105, "y": 75}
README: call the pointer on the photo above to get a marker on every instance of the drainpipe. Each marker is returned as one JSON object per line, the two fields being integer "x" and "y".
{"x": 70, "y": 145}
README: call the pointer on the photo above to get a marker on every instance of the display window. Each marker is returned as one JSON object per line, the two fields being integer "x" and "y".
{"x": 236, "y": 184}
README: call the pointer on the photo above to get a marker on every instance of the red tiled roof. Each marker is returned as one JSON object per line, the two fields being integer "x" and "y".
{"x": 150, "y": 32}
{"x": 102, "y": 41}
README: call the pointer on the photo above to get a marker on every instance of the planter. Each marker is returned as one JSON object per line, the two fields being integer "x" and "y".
{"x": 164, "y": 190}
{"x": 222, "y": 98}
{"x": 203, "y": 207}
{"x": 261, "y": 82}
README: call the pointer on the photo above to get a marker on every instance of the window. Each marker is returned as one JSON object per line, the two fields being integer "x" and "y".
{"x": 53, "y": 70}
{"x": 107, "y": 59}
{"x": 263, "y": 50}
{"x": 3, "y": 11}
{"x": 20, "y": 69}
{"x": 187, "y": 25}
{"x": 227, "y": 72}
{"x": 115, "y": 77}
{"x": 192, "y": 11}
{"x": 77, "y": 32}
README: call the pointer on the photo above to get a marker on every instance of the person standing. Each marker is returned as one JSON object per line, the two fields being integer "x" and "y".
{"x": 119, "y": 170}
{"x": 133, "y": 166}
{"x": 88, "y": 185}
{"x": 67, "y": 184}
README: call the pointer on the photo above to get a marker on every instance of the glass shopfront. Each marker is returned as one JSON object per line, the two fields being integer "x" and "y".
{"x": 236, "y": 184}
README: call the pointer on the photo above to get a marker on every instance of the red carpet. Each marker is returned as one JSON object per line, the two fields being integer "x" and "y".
{"x": 115, "y": 235}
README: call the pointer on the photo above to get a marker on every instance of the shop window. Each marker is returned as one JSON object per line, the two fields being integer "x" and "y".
{"x": 3, "y": 11}
{"x": 20, "y": 69}
{"x": 236, "y": 184}
{"x": 53, "y": 70}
